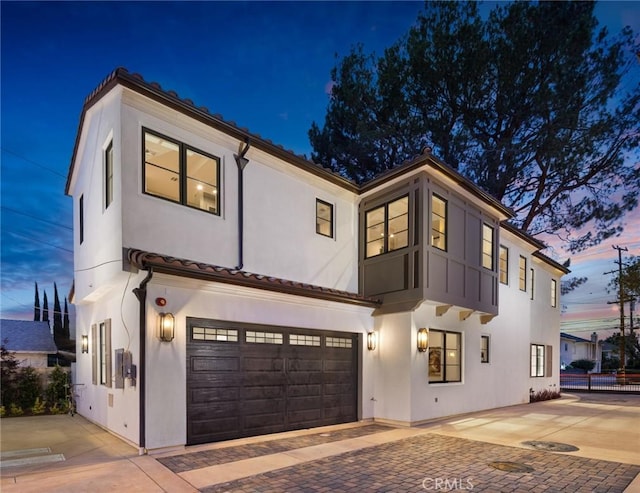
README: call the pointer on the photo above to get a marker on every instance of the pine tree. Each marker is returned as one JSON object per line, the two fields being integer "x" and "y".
{"x": 58, "y": 335}
{"x": 65, "y": 321}
{"x": 45, "y": 308}
{"x": 36, "y": 306}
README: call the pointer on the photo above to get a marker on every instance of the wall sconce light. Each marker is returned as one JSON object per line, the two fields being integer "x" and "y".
{"x": 166, "y": 327}
{"x": 423, "y": 340}
{"x": 372, "y": 341}
{"x": 85, "y": 343}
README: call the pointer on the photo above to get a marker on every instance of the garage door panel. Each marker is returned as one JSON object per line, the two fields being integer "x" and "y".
{"x": 267, "y": 379}
{"x": 216, "y": 394}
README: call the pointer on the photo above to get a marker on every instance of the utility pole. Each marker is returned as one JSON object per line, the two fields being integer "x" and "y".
{"x": 621, "y": 301}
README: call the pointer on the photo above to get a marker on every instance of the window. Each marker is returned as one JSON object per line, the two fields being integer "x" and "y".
{"x": 487, "y": 247}
{"x": 484, "y": 349}
{"x": 387, "y": 227}
{"x": 537, "y": 360}
{"x": 81, "y": 218}
{"x": 108, "y": 175}
{"x": 214, "y": 334}
{"x": 531, "y": 273}
{"x": 438, "y": 222}
{"x": 303, "y": 340}
{"x": 342, "y": 342}
{"x": 522, "y": 273}
{"x": 263, "y": 337}
{"x": 445, "y": 356}
{"x": 179, "y": 173}
{"x": 101, "y": 353}
{"x": 504, "y": 265}
{"x": 324, "y": 218}
{"x": 554, "y": 293}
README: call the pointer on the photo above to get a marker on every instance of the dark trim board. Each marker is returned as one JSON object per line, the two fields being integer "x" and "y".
{"x": 300, "y": 378}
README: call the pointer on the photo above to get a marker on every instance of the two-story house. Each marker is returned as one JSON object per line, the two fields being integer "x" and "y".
{"x": 226, "y": 287}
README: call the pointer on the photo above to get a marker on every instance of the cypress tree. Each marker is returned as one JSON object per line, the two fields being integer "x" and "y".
{"x": 57, "y": 318}
{"x": 65, "y": 322}
{"x": 36, "y": 306}
{"x": 45, "y": 308}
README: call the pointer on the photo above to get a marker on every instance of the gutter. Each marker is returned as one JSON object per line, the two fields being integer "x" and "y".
{"x": 242, "y": 162}
{"x": 141, "y": 294}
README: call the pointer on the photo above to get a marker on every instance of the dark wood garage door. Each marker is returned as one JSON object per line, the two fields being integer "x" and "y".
{"x": 246, "y": 380}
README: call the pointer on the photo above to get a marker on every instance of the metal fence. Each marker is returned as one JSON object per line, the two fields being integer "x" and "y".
{"x": 601, "y": 382}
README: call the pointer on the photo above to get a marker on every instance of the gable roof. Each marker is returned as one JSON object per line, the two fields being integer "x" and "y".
{"x": 26, "y": 336}
{"x": 198, "y": 270}
{"x": 564, "y": 335}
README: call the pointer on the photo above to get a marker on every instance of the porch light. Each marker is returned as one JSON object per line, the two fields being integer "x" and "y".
{"x": 372, "y": 341}
{"x": 85, "y": 343}
{"x": 423, "y": 339}
{"x": 166, "y": 327}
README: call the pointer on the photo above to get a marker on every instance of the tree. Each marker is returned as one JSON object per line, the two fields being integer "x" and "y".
{"x": 631, "y": 349}
{"x": 530, "y": 104}
{"x": 65, "y": 322}
{"x": 36, "y": 306}
{"x": 58, "y": 336}
{"x": 630, "y": 280}
{"x": 8, "y": 369}
{"x": 45, "y": 308}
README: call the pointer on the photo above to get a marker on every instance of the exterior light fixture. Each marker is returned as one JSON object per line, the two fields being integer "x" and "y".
{"x": 372, "y": 341}
{"x": 166, "y": 327}
{"x": 85, "y": 343}
{"x": 423, "y": 340}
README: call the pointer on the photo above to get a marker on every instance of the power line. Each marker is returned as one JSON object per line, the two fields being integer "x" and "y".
{"x": 33, "y": 162}
{"x": 36, "y": 218}
{"x": 40, "y": 241}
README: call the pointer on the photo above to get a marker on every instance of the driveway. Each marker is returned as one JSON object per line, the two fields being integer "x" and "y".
{"x": 518, "y": 448}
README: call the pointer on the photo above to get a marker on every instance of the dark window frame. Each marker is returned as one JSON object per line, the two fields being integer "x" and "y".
{"x": 554, "y": 293}
{"x": 183, "y": 177}
{"x": 445, "y": 219}
{"x": 522, "y": 273}
{"x": 504, "y": 261}
{"x": 81, "y": 219}
{"x": 386, "y": 220}
{"x": 532, "y": 281}
{"x": 484, "y": 351}
{"x": 443, "y": 356}
{"x": 491, "y": 255}
{"x": 330, "y": 220}
{"x": 539, "y": 366}
{"x": 108, "y": 175}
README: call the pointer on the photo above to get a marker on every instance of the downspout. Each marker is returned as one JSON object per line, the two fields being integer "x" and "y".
{"x": 141, "y": 294}
{"x": 242, "y": 162}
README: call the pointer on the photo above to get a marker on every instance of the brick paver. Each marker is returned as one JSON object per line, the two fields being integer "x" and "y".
{"x": 434, "y": 462}
{"x": 196, "y": 460}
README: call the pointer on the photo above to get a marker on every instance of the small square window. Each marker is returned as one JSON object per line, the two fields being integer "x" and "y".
{"x": 324, "y": 218}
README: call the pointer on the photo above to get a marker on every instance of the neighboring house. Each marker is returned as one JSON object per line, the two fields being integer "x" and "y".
{"x": 31, "y": 342}
{"x": 226, "y": 287}
{"x": 573, "y": 348}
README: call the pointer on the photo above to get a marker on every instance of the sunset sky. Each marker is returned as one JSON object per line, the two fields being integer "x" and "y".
{"x": 264, "y": 65}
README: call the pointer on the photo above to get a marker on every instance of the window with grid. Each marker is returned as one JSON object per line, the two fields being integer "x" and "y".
{"x": 445, "y": 356}
{"x": 324, "y": 218}
{"x": 387, "y": 227}
{"x": 554, "y": 293}
{"x": 537, "y": 360}
{"x": 504, "y": 265}
{"x": 522, "y": 273}
{"x": 179, "y": 173}
{"x": 532, "y": 280}
{"x": 487, "y": 247}
{"x": 438, "y": 222}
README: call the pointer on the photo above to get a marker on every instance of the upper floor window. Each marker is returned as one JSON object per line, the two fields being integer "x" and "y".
{"x": 108, "y": 175}
{"x": 522, "y": 273}
{"x": 81, "y": 219}
{"x": 387, "y": 227}
{"x": 177, "y": 172}
{"x": 487, "y": 247}
{"x": 484, "y": 349}
{"x": 554, "y": 293}
{"x": 438, "y": 222}
{"x": 532, "y": 277}
{"x": 324, "y": 218}
{"x": 445, "y": 356}
{"x": 504, "y": 265}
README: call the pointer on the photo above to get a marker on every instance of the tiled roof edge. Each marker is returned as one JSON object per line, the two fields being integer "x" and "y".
{"x": 199, "y": 270}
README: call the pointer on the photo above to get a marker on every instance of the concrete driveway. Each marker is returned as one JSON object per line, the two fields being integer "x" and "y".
{"x": 63, "y": 453}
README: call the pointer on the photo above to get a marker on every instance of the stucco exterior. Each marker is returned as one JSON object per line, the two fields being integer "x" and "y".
{"x": 260, "y": 260}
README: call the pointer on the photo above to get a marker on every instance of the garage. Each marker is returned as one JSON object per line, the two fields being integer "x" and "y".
{"x": 246, "y": 380}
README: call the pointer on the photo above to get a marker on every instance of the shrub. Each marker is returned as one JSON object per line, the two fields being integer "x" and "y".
{"x": 39, "y": 407}
{"x": 3, "y": 411}
{"x": 583, "y": 364}
{"x": 15, "y": 410}
{"x": 544, "y": 395}
{"x": 59, "y": 382}
{"x": 28, "y": 387}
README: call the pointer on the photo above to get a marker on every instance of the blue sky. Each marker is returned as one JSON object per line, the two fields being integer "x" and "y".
{"x": 264, "y": 65}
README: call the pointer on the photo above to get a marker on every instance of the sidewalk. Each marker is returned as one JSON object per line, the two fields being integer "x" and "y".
{"x": 356, "y": 457}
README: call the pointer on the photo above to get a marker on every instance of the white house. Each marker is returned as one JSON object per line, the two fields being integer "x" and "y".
{"x": 30, "y": 342}
{"x": 573, "y": 348}
{"x": 226, "y": 287}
